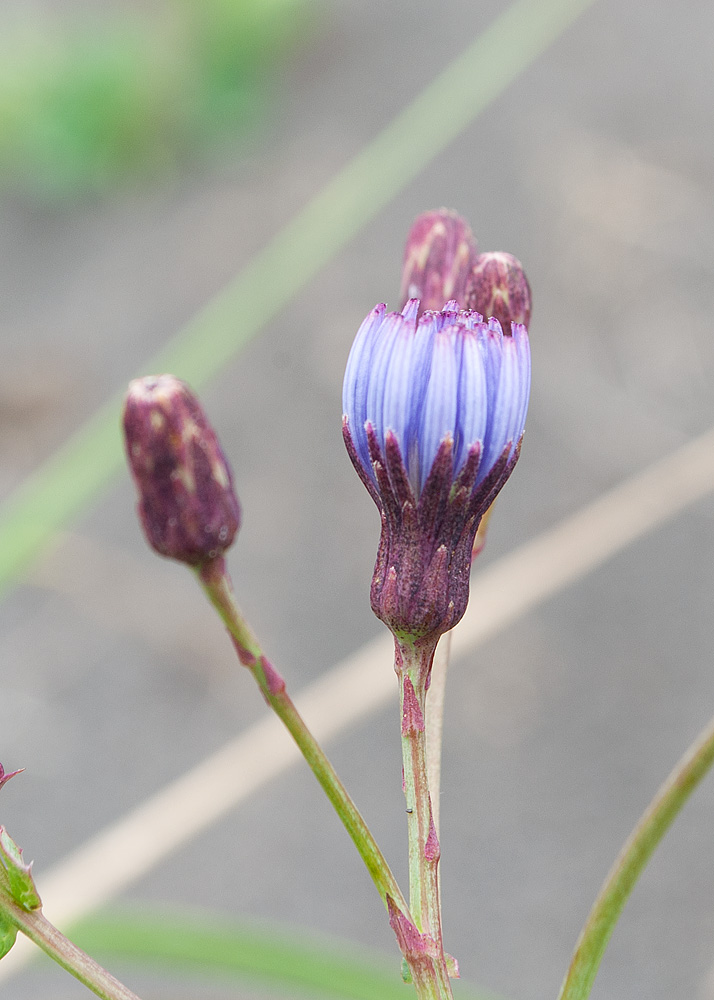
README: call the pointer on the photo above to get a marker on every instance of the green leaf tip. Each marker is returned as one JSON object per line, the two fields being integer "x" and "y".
{"x": 16, "y": 875}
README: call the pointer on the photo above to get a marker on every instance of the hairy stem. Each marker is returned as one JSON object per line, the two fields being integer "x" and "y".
{"x": 633, "y": 857}
{"x": 413, "y": 667}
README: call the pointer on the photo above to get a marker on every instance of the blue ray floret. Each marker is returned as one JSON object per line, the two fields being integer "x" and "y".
{"x": 434, "y": 413}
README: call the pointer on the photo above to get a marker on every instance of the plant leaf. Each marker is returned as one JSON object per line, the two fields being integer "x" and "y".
{"x": 8, "y": 933}
{"x": 272, "y": 956}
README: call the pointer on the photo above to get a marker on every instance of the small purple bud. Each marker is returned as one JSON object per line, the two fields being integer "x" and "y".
{"x": 187, "y": 504}
{"x": 438, "y": 258}
{"x": 497, "y": 286}
{"x": 433, "y": 414}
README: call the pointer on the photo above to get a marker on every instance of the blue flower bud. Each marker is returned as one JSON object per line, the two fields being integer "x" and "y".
{"x": 434, "y": 412}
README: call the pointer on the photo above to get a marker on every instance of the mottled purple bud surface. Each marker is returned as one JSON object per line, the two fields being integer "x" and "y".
{"x": 187, "y": 504}
{"x": 438, "y": 258}
{"x": 434, "y": 412}
{"x": 498, "y": 287}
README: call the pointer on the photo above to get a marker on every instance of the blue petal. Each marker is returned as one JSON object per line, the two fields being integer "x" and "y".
{"x": 508, "y": 405}
{"x": 411, "y": 310}
{"x": 398, "y": 387}
{"x": 520, "y": 336}
{"x": 489, "y": 339}
{"x": 438, "y": 419}
{"x": 357, "y": 378}
{"x": 380, "y": 364}
{"x": 472, "y": 402}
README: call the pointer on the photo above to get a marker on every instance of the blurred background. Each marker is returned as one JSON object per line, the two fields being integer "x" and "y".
{"x": 147, "y": 153}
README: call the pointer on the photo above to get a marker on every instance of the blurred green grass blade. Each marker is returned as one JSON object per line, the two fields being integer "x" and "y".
{"x": 90, "y": 102}
{"x": 61, "y": 487}
{"x": 270, "y": 956}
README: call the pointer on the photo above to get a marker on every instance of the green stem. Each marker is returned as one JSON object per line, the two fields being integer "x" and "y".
{"x": 217, "y": 585}
{"x": 431, "y": 981}
{"x": 435, "y": 721}
{"x": 633, "y": 857}
{"x": 413, "y": 667}
{"x": 35, "y": 926}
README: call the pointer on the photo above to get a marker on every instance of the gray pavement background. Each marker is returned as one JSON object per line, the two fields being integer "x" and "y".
{"x": 595, "y": 168}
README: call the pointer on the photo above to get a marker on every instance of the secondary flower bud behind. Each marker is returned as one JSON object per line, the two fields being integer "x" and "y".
{"x": 434, "y": 411}
{"x": 438, "y": 258}
{"x": 187, "y": 504}
{"x": 497, "y": 286}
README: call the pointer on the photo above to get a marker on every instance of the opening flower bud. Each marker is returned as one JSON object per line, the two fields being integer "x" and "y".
{"x": 497, "y": 286}
{"x": 187, "y": 504}
{"x": 438, "y": 258}
{"x": 434, "y": 411}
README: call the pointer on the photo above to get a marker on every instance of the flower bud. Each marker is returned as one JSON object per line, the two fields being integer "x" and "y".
{"x": 438, "y": 257}
{"x": 433, "y": 415}
{"x": 187, "y": 504}
{"x": 497, "y": 286}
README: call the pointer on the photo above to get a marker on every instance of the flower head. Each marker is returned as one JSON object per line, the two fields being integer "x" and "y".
{"x": 434, "y": 411}
{"x": 187, "y": 504}
{"x": 438, "y": 258}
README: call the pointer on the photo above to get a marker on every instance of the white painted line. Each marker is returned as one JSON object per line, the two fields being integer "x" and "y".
{"x": 111, "y": 861}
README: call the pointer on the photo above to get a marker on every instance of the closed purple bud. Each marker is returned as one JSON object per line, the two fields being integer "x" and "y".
{"x": 187, "y": 504}
{"x": 434, "y": 411}
{"x": 438, "y": 257}
{"x": 497, "y": 286}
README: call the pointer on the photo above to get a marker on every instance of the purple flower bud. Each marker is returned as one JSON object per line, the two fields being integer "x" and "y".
{"x": 187, "y": 504}
{"x": 434, "y": 412}
{"x": 438, "y": 257}
{"x": 497, "y": 286}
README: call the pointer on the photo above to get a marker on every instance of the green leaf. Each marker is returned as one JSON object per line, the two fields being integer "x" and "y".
{"x": 8, "y": 933}
{"x": 271, "y": 956}
{"x": 16, "y": 874}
